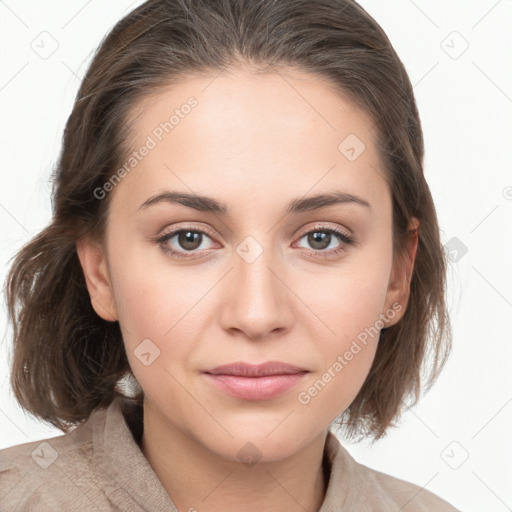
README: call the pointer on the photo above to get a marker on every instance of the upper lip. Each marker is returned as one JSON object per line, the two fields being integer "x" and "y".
{"x": 259, "y": 370}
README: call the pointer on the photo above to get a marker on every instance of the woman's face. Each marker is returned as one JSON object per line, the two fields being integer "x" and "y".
{"x": 263, "y": 279}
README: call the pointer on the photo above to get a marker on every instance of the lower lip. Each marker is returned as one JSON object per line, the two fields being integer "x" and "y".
{"x": 255, "y": 388}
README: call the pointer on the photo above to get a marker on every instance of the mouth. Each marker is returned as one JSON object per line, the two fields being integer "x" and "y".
{"x": 241, "y": 369}
{"x": 255, "y": 382}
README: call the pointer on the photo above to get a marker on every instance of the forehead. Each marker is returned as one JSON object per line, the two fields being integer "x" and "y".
{"x": 238, "y": 134}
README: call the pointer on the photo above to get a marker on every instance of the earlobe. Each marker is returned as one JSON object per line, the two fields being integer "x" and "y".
{"x": 401, "y": 275}
{"x": 94, "y": 266}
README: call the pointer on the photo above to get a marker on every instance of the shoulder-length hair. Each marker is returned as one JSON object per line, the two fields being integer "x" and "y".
{"x": 67, "y": 361}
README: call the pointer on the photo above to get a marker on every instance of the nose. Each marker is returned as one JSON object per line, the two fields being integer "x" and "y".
{"x": 257, "y": 301}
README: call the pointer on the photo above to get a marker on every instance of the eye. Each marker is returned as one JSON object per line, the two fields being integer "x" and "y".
{"x": 190, "y": 240}
{"x": 321, "y": 238}
{"x": 187, "y": 240}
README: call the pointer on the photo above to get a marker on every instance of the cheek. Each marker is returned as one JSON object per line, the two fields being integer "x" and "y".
{"x": 152, "y": 294}
{"x": 158, "y": 330}
{"x": 345, "y": 357}
{"x": 161, "y": 308}
{"x": 165, "y": 311}
{"x": 349, "y": 298}
{"x": 350, "y": 305}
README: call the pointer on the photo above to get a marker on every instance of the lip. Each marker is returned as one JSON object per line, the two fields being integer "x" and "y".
{"x": 255, "y": 382}
{"x": 242, "y": 369}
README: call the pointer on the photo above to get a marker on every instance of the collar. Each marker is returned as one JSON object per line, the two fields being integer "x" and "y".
{"x": 117, "y": 433}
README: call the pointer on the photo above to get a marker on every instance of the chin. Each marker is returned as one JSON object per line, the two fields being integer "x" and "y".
{"x": 259, "y": 442}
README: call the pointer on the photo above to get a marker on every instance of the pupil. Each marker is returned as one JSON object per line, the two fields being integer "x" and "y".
{"x": 188, "y": 240}
{"x": 320, "y": 238}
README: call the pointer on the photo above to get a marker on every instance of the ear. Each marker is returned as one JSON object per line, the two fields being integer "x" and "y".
{"x": 94, "y": 265}
{"x": 400, "y": 279}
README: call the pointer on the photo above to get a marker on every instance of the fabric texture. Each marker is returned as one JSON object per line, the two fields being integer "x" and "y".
{"x": 99, "y": 466}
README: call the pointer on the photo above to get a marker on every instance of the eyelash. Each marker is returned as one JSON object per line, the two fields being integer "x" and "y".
{"x": 344, "y": 237}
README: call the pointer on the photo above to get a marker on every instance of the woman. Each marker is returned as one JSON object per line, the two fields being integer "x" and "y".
{"x": 242, "y": 232}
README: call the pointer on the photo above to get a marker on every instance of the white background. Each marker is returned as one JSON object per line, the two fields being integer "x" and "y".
{"x": 465, "y": 105}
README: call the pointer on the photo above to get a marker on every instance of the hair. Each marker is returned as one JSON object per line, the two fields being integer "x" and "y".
{"x": 67, "y": 361}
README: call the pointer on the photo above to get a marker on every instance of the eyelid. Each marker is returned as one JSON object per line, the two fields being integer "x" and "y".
{"x": 325, "y": 227}
{"x": 346, "y": 238}
{"x": 177, "y": 228}
{"x": 302, "y": 232}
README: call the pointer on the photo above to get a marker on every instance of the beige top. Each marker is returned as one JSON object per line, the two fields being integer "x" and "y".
{"x": 99, "y": 466}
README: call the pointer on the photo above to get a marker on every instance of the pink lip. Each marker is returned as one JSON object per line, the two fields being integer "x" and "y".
{"x": 255, "y": 382}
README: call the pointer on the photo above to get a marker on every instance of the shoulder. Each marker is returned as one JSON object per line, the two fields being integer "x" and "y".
{"x": 362, "y": 488}
{"x": 405, "y": 495}
{"x": 56, "y": 471}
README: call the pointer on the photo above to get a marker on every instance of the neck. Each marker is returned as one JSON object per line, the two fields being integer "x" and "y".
{"x": 198, "y": 479}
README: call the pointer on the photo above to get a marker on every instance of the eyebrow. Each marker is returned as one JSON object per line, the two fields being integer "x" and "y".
{"x": 295, "y": 206}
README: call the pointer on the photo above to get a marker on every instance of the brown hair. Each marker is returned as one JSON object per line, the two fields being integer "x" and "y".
{"x": 67, "y": 361}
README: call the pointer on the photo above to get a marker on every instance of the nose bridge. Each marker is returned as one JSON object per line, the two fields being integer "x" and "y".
{"x": 255, "y": 280}
{"x": 258, "y": 299}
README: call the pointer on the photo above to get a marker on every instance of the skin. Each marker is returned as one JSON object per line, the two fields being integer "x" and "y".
{"x": 253, "y": 142}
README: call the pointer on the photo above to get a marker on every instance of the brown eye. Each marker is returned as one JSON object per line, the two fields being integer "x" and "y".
{"x": 179, "y": 242}
{"x": 320, "y": 238}
{"x": 188, "y": 240}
